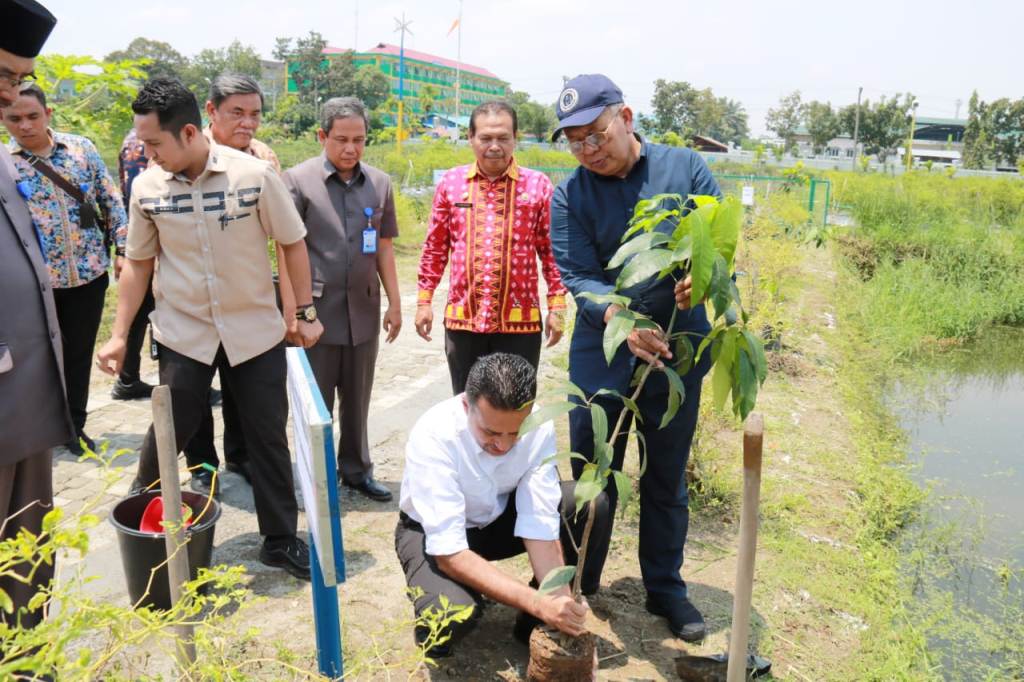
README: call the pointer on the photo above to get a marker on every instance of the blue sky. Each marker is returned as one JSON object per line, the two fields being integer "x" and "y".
{"x": 750, "y": 51}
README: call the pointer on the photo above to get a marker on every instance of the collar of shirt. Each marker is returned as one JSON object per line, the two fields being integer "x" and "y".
{"x": 56, "y": 140}
{"x": 329, "y": 169}
{"x": 512, "y": 172}
{"x": 214, "y": 164}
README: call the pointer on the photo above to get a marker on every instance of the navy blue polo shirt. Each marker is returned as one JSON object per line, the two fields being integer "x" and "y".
{"x": 589, "y": 215}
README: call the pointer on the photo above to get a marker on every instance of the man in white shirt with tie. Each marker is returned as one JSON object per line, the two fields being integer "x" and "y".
{"x": 474, "y": 492}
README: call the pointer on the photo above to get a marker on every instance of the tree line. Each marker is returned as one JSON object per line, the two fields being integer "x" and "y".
{"x": 994, "y": 134}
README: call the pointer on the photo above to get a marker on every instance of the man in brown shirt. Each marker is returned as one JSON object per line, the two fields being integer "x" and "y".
{"x": 207, "y": 211}
{"x": 349, "y": 211}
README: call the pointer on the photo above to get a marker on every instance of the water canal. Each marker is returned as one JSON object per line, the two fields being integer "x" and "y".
{"x": 963, "y": 415}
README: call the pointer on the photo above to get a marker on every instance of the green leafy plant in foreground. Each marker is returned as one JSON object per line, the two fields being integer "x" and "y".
{"x": 668, "y": 236}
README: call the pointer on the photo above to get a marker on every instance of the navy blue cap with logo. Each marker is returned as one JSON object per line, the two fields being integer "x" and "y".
{"x": 583, "y": 99}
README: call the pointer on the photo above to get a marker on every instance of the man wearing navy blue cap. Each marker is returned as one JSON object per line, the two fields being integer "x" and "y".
{"x": 34, "y": 414}
{"x": 589, "y": 214}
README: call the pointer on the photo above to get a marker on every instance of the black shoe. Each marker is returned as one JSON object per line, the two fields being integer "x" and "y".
{"x": 684, "y": 620}
{"x": 137, "y": 487}
{"x": 74, "y": 447}
{"x": 289, "y": 553}
{"x": 240, "y": 468}
{"x": 80, "y": 443}
{"x": 215, "y": 397}
{"x": 445, "y": 650}
{"x": 524, "y": 625}
{"x": 369, "y": 487}
{"x": 202, "y": 480}
{"x": 136, "y": 390}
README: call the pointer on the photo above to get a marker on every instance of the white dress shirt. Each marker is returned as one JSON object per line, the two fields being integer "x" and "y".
{"x": 451, "y": 483}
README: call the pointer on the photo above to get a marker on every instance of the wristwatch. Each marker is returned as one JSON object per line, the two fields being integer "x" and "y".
{"x": 305, "y": 313}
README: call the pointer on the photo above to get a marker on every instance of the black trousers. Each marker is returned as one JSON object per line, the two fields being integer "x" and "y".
{"x": 136, "y": 339}
{"x": 79, "y": 311}
{"x": 259, "y": 385}
{"x": 201, "y": 449}
{"x": 464, "y": 348}
{"x": 664, "y": 499}
{"x": 494, "y": 541}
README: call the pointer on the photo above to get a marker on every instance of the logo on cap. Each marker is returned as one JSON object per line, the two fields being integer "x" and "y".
{"x": 568, "y": 99}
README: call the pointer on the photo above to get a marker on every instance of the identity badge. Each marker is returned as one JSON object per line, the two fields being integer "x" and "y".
{"x": 369, "y": 234}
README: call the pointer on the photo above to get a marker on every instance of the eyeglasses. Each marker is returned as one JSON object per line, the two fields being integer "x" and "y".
{"x": 13, "y": 81}
{"x": 593, "y": 140}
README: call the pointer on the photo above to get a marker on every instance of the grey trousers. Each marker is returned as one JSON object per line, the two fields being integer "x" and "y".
{"x": 26, "y": 496}
{"x": 348, "y": 372}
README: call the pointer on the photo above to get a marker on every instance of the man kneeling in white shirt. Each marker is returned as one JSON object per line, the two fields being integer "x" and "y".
{"x": 475, "y": 492}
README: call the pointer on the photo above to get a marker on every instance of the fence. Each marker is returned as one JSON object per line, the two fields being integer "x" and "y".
{"x": 815, "y": 194}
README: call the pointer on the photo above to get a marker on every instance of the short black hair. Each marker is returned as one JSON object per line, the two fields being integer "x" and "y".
{"x": 227, "y": 84}
{"x": 174, "y": 105}
{"x": 509, "y": 382}
{"x": 33, "y": 90}
{"x": 493, "y": 107}
{"x": 343, "y": 107}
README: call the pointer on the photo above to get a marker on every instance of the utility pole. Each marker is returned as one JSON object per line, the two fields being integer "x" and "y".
{"x": 958, "y": 103}
{"x": 401, "y": 26}
{"x": 856, "y": 128}
{"x": 458, "y": 67}
{"x": 910, "y": 140}
{"x": 355, "y": 40}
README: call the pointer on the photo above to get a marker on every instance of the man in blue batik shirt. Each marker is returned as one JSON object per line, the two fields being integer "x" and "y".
{"x": 590, "y": 211}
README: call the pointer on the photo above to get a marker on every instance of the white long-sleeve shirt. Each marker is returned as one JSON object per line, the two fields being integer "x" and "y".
{"x": 451, "y": 483}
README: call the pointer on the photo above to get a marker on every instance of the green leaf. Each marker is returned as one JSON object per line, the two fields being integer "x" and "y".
{"x": 543, "y": 414}
{"x": 676, "y": 395}
{"x": 744, "y": 393}
{"x": 683, "y": 249}
{"x": 642, "y": 322}
{"x": 599, "y": 423}
{"x": 703, "y": 257}
{"x": 719, "y": 289}
{"x": 725, "y": 228}
{"x": 605, "y": 298}
{"x": 642, "y": 449}
{"x": 615, "y": 332}
{"x": 557, "y": 577}
{"x": 603, "y": 454}
{"x": 702, "y": 200}
{"x": 721, "y": 380}
{"x": 638, "y": 374}
{"x": 643, "y": 266}
{"x": 566, "y": 386}
{"x": 705, "y": 342}
{"x": 589, "y": 485}
{"x": 755, "y": 349}
{"x": 564, "y": 457}
{"x": 682, "y": 353}
{"x": 634, "y": 246}
{"x": 624, "y": 486}
{"x": 5, "y": 602}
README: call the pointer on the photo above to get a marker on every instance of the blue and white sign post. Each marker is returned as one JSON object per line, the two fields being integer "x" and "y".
{"x": 318, "y": 480}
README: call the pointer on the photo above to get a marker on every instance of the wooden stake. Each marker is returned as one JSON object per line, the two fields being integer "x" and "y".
{"x": 174, "y": 534}
{"x": 753, "y": 435}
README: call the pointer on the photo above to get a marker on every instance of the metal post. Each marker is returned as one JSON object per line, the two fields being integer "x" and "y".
{"x": 326, "y": 619}
{"x": 810, "y": 199}
{"x": 856, "y": 128}
{"x": 402, "y": 27}
{"x": 910, "y": 140}
{"x": 458, "y": 69}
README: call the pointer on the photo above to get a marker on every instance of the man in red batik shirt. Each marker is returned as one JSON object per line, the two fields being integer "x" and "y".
{"x": 492, "y": 219}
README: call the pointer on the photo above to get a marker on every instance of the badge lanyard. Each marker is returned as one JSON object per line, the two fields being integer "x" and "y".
{"x": 369, "y": 234}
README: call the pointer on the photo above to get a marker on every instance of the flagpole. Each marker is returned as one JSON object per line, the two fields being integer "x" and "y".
{"x": 458, "y": 68}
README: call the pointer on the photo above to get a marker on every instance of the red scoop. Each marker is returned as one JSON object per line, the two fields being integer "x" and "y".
{"x": 153, "y": 516}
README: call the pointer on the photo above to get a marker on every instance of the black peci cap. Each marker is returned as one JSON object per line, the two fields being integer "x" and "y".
{"x": 24, "y": 27}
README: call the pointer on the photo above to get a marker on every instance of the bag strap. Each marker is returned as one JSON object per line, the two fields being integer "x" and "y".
{"x": 88, "y": 211}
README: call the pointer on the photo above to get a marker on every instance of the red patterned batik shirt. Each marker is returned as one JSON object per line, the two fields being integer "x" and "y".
{"x": 493, "y": 232}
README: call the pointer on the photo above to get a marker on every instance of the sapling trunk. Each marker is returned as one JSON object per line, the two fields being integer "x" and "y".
{"x": 577, "y": 591}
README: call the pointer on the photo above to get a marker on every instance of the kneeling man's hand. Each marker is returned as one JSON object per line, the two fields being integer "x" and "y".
{"x": 564, "y": 613}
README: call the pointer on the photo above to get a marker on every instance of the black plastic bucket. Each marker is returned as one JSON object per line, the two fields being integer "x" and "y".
{"x": 141, "y": 552}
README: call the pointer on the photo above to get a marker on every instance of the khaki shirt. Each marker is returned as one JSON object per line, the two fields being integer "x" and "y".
{"x": 213, "y": 280}
{"x": 260, "y": 150}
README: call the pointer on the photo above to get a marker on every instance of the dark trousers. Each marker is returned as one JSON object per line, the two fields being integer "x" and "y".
{"x": 348, "y": 372}
{"x": 79, "y": 311}
{"x": 26, "y": 496}
{"x": 664, "y": 501}
{"x": 494, "y": 541}
{"x": 136, "y": 339}
{"x": 201, "y": 449}
{"x": 464, "y": 348}
{"x": 259, "y": 385}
